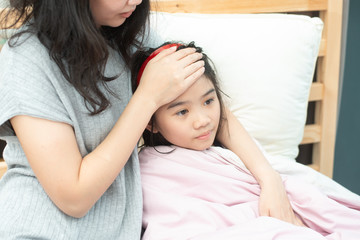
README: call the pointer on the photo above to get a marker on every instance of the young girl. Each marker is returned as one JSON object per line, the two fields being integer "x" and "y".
{"x": 195, "y": 190}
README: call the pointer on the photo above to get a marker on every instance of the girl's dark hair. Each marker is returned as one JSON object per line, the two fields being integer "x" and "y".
{"x": 155, "y": 139}
{"x": 80, "y": 49}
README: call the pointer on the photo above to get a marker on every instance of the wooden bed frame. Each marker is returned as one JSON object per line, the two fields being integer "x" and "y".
{"x": 320, "y": 133}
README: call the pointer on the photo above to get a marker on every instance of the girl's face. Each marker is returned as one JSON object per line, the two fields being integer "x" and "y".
{"x": 190, "y": 121}
{"x": 112, "y": 13}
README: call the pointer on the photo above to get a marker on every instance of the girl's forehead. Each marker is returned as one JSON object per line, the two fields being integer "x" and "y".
{"x": 202, "y": 88}
{"x": 197, "y": 90}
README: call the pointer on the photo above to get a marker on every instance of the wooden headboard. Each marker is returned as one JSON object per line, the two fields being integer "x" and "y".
{"x": 319, "y": 135}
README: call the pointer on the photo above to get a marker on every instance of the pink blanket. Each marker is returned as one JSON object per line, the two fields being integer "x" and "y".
{"x": 211, "y": 195}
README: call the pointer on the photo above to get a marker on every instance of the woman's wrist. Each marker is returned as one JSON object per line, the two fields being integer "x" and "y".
{"x": 147, "y": 102}
{"x": 268, "y": 177}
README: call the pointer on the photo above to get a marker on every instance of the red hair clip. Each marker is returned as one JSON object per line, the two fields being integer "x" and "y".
{"x": 152, "y": 55}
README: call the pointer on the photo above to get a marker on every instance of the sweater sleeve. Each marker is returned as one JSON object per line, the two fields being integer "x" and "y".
{"x": 26, "y": 85}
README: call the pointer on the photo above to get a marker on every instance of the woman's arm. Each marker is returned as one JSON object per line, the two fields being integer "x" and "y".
{"x": 273, "y": 198}
{"x": 75, "y": 183}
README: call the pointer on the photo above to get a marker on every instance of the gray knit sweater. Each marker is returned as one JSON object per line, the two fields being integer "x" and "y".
{"x": 31, "y": 84}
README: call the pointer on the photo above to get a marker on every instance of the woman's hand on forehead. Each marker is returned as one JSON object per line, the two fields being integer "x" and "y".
{"x": 170, "y": 73}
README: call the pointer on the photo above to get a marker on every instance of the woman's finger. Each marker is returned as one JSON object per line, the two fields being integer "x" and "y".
{"x": 193, "y": 67}
{"x": 165, "y": 53}
{"x": 188, "y": 81}
{"x": 299, "y": 222}
{"x": 190, "y": 59}
{"x": 180, "y": 54}
{"x": 173, "y": 54}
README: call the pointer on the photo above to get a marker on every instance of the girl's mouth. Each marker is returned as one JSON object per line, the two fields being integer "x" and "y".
{"x": 204, "y": 136}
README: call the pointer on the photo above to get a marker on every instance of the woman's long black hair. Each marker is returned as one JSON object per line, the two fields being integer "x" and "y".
{"x": 80, "y": 49}
{"x": 155, "y": 139}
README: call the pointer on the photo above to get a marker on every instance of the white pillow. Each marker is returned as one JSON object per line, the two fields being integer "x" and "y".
{"x": 265, "y": 63}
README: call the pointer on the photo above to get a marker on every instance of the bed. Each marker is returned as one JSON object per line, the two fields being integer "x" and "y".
{"x": 279, "y": 67}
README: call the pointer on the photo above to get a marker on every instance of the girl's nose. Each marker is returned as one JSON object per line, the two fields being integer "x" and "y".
{"x": 201, "y": 120}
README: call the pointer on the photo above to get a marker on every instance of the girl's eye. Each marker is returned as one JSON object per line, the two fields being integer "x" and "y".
{"x": 209, "y": 101}
{"x": 182, "y": 112}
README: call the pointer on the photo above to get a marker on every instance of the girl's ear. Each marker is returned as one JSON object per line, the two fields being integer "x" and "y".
{"x": 151, "y": 127}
